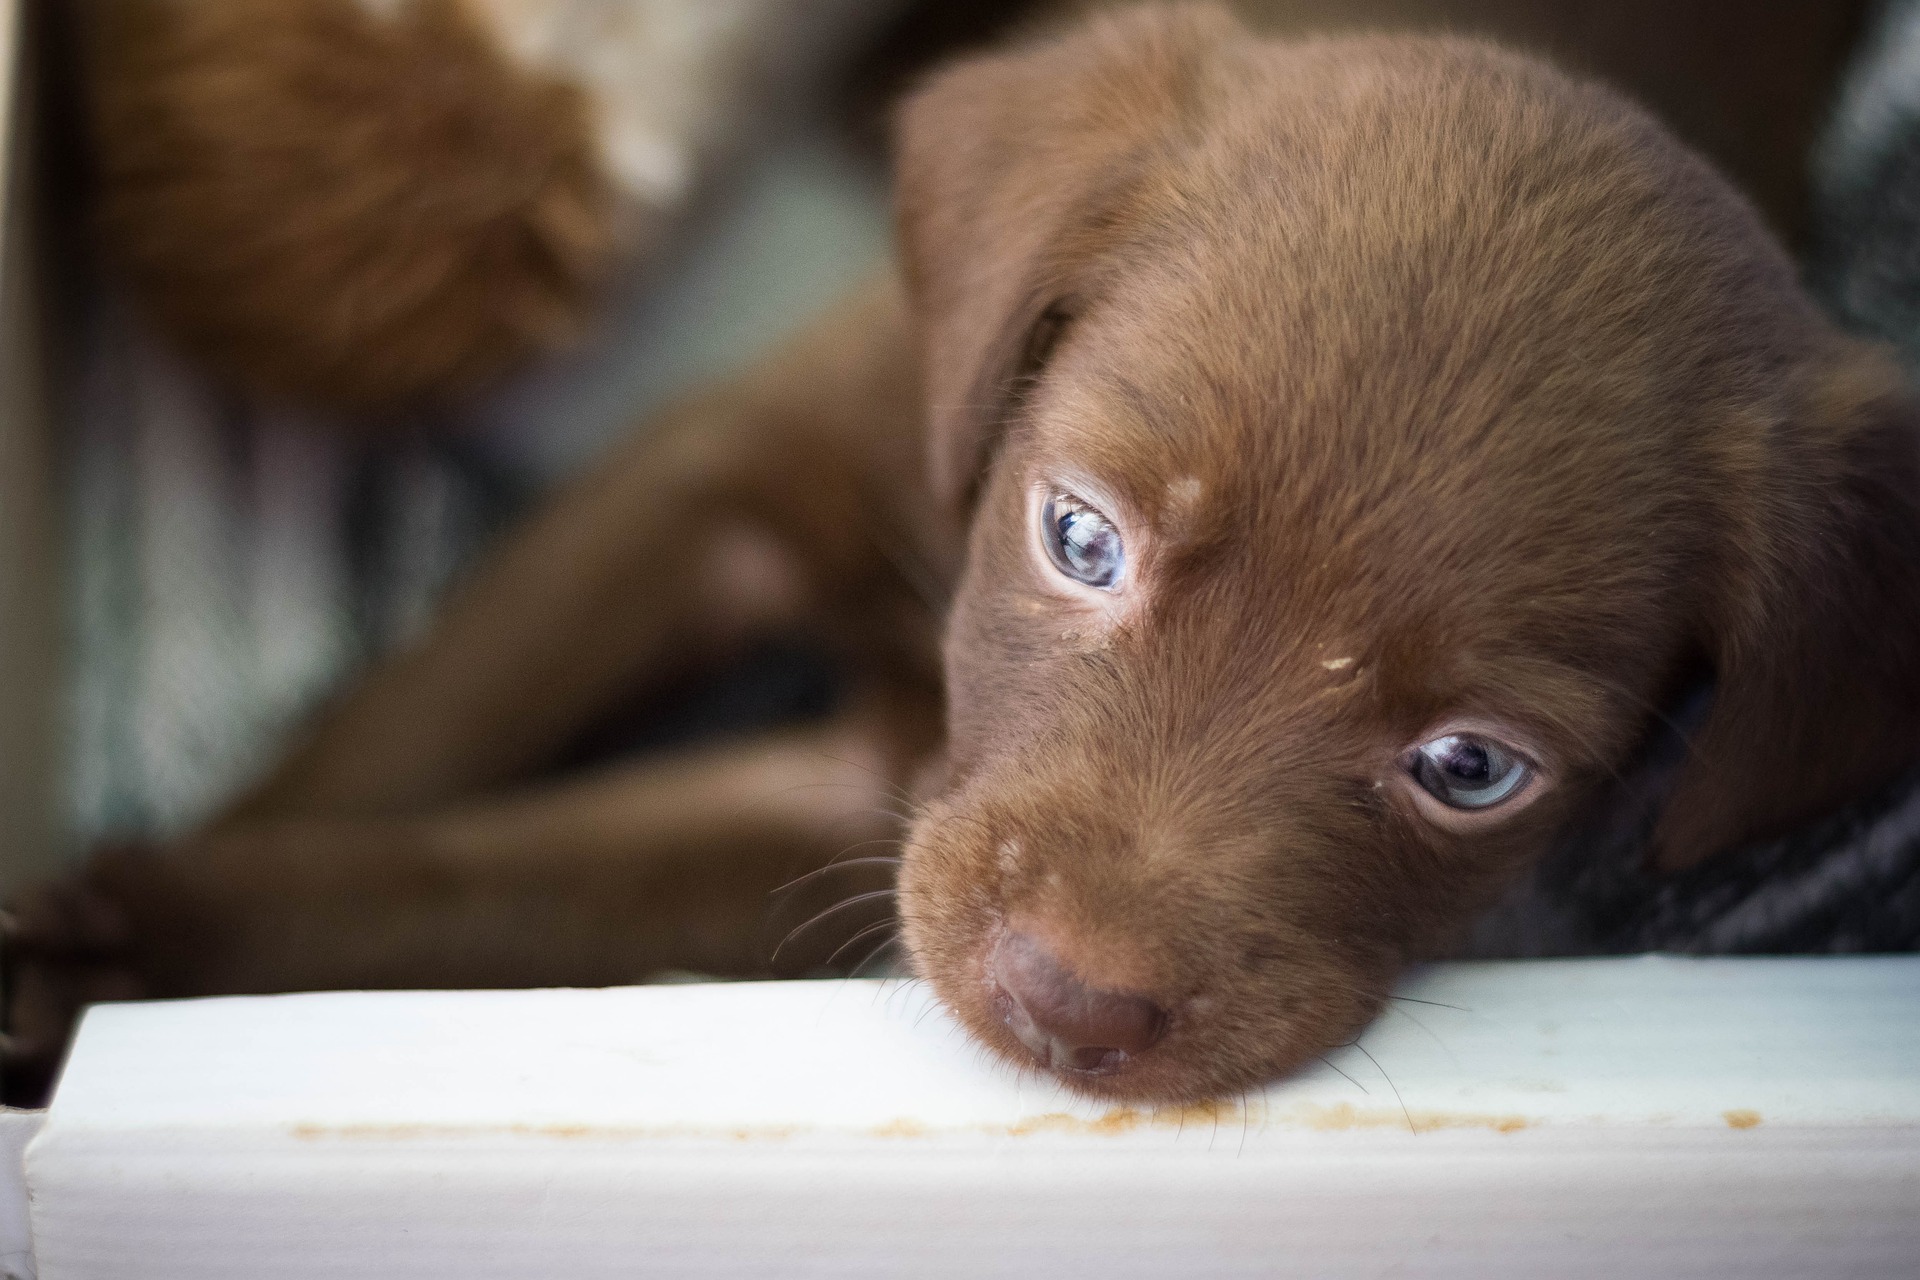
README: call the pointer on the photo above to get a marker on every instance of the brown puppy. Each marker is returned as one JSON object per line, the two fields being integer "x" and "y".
{"x": 1435, "y": 420}
{"x": 1346, "y": 451}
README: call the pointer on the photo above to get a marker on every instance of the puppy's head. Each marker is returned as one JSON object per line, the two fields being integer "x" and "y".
{"x": 1365, "y": 441}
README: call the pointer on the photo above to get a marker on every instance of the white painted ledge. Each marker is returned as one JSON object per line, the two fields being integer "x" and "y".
{"x": 1616, "y": 1118}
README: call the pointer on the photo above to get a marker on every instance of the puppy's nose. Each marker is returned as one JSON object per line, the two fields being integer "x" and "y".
{"x": 1067, "y": 1024}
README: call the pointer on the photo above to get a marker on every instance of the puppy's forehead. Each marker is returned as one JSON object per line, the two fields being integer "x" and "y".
{"x": 1481, "y": 284}
{"x": 1450, "y": 390}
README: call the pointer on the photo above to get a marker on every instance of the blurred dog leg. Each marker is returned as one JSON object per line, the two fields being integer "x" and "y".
{"x": 786, "y": 500}
{"x": 665, "y": 864}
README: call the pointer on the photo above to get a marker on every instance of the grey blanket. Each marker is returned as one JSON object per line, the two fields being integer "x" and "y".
{"x": 1847, "y": 883}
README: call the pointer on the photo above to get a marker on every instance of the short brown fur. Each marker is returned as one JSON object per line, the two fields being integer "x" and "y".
{"x": 354, "y": 211}
{"x": 1426, "y": 382}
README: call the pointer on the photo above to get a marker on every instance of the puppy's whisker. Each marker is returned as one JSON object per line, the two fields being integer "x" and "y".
{"x": 1355, "y": 1044}
{"x": 895, "y": 814}
{"x": 842, "y": 860}
{"x": 835, "y": 909}
{"x": 1328, "y": 1062}
{"x": 878, "y": 926}
{"x": 897, "y": 791}
{"x": 886, "y": 945}
{"x": 838, "y": 864}
{"x": 1365, "y": 994}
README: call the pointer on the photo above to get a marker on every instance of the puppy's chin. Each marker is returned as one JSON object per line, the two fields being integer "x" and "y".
{"x": 1205, "y": 1013}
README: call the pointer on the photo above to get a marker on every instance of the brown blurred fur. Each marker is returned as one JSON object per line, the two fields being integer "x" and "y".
{"x": 340, "y": 208}
{"x": 1427, "y": 383}
{"x": 370, "y": 212}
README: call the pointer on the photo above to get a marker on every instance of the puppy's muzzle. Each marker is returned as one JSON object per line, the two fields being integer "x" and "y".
{"x": 1067, "y": 1025}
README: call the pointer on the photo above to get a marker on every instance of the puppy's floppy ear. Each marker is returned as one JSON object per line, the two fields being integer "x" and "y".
{"x": 1006, "y": 166}
{"x": 1813, "y": 629}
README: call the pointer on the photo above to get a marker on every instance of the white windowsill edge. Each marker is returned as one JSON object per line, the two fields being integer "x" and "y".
{"x": 1640, "y": 1117}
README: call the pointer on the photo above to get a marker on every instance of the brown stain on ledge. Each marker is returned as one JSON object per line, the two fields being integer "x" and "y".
{"x": 1198, "y": 1114}
{"x": 1110, "y": 1124}
{"x": 1347, "y": 1116}
{"x": 558, "y": 1132}
{"x": 1324, "y": 1119}
{"x": 1741, "y": 1119}
{"x": 1115, "y": 1122}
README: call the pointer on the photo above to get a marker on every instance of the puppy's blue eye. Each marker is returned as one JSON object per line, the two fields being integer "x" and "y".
{"x": 1082, "y": 543}
{"x": 1465, "y": 772}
